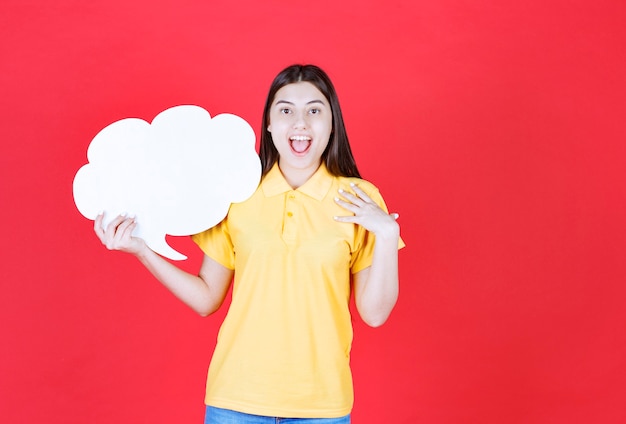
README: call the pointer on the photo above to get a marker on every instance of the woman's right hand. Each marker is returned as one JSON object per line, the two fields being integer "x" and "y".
{"x": 118, "y": 234}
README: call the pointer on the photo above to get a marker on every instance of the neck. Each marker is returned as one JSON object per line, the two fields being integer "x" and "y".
{"x": 296, "y": 177}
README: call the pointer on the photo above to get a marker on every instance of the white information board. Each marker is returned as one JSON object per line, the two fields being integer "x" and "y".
{"x": 177, "y": 175}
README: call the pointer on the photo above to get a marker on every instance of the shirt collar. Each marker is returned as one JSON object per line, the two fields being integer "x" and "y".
{"x": 316, "y": 187}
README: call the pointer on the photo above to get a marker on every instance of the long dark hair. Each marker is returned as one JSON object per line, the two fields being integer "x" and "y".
{"x": 338, "y": 155}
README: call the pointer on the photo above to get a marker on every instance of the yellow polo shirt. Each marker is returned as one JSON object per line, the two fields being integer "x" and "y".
{"x": 283, "y": 349}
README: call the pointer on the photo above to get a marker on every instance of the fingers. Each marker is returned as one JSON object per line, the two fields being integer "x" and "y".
{"x": 355, "y": 202}
{"x": 347, "y": 205}
{"x": 365, "y": 211}
{"x": 363, "y": 195}
{"x": 354, "y": 218}
{"x": 122, "y": 232}
{"x": 115, "y": 223}
{"x": 360, "y": 198}
{"x": 117, "y": 233}
{"x": 350, "y": 218}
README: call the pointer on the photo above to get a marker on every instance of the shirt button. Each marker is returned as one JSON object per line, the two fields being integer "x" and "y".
{"x": 289, "y": 214}
{"x": 292, "y": 196}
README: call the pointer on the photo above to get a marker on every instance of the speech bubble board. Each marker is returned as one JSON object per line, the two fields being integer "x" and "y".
{"x": 177, "y": 176}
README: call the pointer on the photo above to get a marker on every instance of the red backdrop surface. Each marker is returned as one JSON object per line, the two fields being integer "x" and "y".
{"x": 496, "y": 129}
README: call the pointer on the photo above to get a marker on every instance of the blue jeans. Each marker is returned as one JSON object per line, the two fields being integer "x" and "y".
{"x": 226, "y": 416}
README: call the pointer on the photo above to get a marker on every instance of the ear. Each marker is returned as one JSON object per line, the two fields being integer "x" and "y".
{"x": 269, "y": 128}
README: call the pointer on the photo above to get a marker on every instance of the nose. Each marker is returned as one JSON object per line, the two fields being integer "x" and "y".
{"x": 299, "y": 121}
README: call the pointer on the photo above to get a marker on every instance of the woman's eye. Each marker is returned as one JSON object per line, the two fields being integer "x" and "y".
{"x": 285, "y": 111}
{"x": 314, "y": 111}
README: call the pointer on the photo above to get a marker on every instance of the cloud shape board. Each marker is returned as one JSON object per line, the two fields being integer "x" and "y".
{"x": 178, "y": 175}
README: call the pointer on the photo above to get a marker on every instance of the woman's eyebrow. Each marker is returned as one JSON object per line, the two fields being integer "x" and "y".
{"x": 291, "y": 103}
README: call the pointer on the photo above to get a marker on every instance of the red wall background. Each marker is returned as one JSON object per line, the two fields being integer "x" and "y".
{"x": 496, "y": 129}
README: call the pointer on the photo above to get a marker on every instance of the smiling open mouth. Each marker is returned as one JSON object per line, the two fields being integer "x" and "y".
{"x": 300, "y": 143}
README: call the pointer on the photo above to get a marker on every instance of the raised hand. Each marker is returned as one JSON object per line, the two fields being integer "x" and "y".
{"x": 367, "y": 213}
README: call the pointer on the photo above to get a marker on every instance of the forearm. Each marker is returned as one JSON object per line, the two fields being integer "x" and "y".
{"x": 192, "y": 290}
{"x": 203, "y": 293}
{"x": 377, "y": 292}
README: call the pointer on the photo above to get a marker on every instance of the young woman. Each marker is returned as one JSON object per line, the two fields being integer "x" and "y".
{"x": 312, "y": 231}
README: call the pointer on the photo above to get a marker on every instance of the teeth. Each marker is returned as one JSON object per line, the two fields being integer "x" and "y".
{"x": 300, "y": 138}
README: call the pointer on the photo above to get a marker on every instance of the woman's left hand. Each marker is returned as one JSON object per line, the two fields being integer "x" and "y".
{"x": 367, "y": 213}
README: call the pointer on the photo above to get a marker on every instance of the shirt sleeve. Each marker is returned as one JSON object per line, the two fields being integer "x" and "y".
{"x": 364, "y": 240}
{"x": 217, "y": 244}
